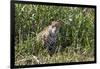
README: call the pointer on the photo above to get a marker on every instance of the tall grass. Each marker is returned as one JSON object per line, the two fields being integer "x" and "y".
{"x": 75, "y": 41}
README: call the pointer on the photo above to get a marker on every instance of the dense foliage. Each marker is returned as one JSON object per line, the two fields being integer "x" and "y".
{"x": 75, "y": 41}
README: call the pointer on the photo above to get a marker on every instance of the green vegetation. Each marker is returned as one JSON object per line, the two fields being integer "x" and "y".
{"x": 75, "y": 42}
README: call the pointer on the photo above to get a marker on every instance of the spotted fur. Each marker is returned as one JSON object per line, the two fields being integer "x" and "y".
{"x": 48, "y": 36}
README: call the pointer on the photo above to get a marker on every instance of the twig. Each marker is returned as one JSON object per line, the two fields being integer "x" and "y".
{"x": 37, "y": 60}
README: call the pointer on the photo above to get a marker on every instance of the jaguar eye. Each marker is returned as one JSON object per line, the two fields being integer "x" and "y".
{"x": 53, "y": 26}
